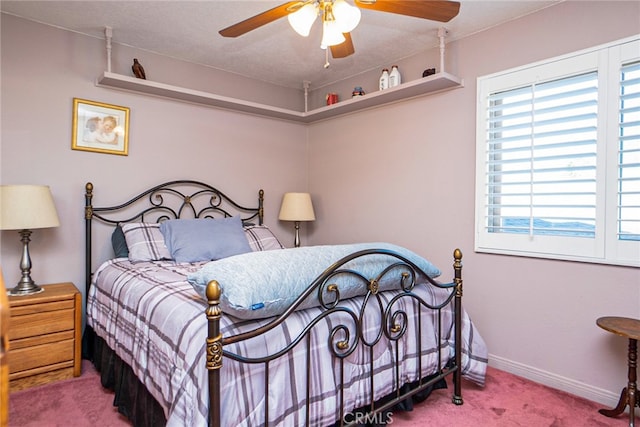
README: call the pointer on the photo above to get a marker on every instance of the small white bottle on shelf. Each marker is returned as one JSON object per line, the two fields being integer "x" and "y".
{"x": 394, "y": 77}
{"x": 384, "y": 79}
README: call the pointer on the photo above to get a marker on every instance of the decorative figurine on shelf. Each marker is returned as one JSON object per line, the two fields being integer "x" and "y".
{"x": 429, "y": 72}
{"x": 138, "y": 70}
{"x": 357, "y": 91}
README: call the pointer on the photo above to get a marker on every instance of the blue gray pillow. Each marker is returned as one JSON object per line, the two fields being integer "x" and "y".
{"x": 206, "y": 239}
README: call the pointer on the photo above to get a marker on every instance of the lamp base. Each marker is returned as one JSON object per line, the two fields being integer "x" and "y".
{"x": 25, "y": 289}
{"x": 296, "y": 240}
{"x": 26, "y": 285}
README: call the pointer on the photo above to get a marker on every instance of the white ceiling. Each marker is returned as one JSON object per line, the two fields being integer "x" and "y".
{"x": 188, "y": 30}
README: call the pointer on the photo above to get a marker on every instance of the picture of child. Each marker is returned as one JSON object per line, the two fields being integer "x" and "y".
{"x": 107, "y": 134}
{"x": 102, "y": 130}
{"x": 91, "y": 128}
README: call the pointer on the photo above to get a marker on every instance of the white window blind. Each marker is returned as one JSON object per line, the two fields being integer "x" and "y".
{"x": 558, "y": 158}
{"x": 542, "y": 158}
{"x": 629, "y": 154}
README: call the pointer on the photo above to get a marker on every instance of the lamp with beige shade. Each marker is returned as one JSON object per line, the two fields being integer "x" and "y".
{"x": 296, "y": 207}
{"x": 24, "y": 208}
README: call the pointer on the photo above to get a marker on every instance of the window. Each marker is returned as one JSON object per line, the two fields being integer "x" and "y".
{"x": 558, "y": 158}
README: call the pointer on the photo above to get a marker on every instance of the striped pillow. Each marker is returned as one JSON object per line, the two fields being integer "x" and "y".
{"x": 261, "y": 238}
{"x": 145, "y": 242}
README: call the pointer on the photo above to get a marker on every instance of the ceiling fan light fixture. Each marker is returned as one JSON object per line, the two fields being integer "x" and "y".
{"x": 331, "y": 34}
{"x": 302, "y": 19}
{"x": 347, "y": 16}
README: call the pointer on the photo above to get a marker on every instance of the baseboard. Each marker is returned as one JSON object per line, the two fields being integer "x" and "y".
{"x": 595, "y": 394}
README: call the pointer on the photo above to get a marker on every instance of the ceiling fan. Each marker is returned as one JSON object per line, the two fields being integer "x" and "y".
{"x": 339, "y": 18}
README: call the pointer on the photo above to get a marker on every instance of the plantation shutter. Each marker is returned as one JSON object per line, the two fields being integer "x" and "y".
{"x": 628, "y": 227}
{"x": 541, "y": 158}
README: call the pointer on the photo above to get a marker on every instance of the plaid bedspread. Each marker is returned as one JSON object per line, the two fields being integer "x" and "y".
{"x": 154, "y": 320}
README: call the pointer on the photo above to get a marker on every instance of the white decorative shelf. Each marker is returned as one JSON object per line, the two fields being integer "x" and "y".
{"x": 427, "y": 85}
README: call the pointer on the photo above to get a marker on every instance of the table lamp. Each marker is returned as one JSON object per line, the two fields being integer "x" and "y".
{"x": 296, "y": 207}
{"x": 23, "y": 208}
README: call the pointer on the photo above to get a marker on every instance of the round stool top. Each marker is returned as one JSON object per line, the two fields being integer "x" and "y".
{"x": 623, "y": 326}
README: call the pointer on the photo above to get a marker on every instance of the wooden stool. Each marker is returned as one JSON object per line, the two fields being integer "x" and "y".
{"x": 629, "y": 328}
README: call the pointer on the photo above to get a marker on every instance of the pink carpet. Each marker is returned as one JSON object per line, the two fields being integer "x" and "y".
{"x": 507, "y": 400}
{"x": 78, "y": 402}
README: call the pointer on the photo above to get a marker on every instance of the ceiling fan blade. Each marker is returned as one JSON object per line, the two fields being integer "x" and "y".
{"x": 343, "y": 49}
{"x": 438, "y": 10}
{"x": 261, "y": 19}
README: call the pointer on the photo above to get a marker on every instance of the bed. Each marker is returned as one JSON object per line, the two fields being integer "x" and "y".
{"x": 264, "y": 335}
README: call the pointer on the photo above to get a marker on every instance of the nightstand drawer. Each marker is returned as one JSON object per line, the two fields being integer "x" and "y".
{"x": 47, "y": 322}
{"x": 42, "y": 339}
{"x": 44, "y": 307}
{"x": 26, "y": 358}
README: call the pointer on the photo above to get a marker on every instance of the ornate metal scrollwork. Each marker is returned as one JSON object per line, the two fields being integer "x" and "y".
{"x": 457, "y": 267}
{"x": 373, "y": 286}
{"x": 323, "y": 293}
{"x": 214, "y": 352}
{"x": 403, "y": 281}
{"x": 396, "y": 322}
{"x": 213, "y": 312}
{"x": 341, "y": 346}
{"x": 159, "y": 199}
{"x": 458, "y": 288}
{"x": 88, "y": 196}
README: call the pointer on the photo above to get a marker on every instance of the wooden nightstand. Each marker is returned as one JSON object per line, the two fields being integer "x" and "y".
{"x": 44, "y": 336}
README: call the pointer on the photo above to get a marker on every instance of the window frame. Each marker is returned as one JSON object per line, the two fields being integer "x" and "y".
{"x": 605, "y": 248}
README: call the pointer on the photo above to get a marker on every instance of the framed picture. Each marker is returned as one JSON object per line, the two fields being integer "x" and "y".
{"x": 99, "y": 127}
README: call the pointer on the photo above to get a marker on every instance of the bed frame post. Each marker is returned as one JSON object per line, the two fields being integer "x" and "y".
{"x": 260, "y": 207}
{"x": 457, "y": 375}
{"x": 214, "y": 351}
{"x": 88, "y": 214}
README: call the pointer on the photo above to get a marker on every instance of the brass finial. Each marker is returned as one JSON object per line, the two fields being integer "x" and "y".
{"x": 213, "y": 292}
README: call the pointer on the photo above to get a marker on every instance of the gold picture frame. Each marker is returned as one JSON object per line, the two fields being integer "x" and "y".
{"x": 100, "y": 127}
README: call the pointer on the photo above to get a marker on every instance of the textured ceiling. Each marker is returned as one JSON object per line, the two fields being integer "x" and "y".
{"x": 188, "y": 30}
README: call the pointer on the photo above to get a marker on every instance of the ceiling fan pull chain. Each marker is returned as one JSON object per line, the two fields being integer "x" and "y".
{"x": 326, "y": 58}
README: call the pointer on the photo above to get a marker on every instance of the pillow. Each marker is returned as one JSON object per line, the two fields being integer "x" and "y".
{"x": 265, "y": 283}
{"x": 145, "y": 242}
{"x": 193, "y": 240}
{"x": 119, "y": 243}
{"x": 261, "y": 238}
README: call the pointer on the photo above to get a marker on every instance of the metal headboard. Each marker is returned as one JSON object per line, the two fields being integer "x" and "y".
{"x": 170, "y": 200}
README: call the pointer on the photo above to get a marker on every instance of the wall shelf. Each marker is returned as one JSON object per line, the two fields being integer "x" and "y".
{"x": 427, "y": 85}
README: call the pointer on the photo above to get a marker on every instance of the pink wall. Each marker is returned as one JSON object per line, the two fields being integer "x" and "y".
{"x": 44, "y": 68}
{"x": 402, "y": 173}
{"x": 406, "y": 173}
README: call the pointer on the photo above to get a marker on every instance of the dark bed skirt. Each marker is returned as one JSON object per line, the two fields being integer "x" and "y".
{"x": 134, "y": 401}
{"x": 131, "y": 397}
